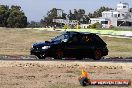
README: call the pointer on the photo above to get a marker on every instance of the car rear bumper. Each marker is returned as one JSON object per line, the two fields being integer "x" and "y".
{"x": 105, "y": 52}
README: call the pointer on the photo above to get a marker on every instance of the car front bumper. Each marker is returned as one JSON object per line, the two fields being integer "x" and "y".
{"x": 46, "y": 52}
{"x": 36, "y": 52}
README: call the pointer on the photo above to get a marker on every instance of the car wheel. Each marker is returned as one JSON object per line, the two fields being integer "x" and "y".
{"x": 58, "y": 54}
{"x": 97, "y": 55}
{"x": 40, "y": 56}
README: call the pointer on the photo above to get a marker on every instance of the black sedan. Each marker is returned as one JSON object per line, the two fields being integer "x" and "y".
{"x": 71, "y": 44}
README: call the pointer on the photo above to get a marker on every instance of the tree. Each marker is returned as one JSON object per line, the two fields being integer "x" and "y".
{"x": 52, "y": 14}
{"x": 33, "y": 24}
{"x": 12, "y": 17}
{"x": 75, "y": 16}
{"x": 71, "y": 16}
{"x": 41, "y": 23}
{"x": 17, "y": 18}
{"x": 85, "y": 19}
{"x": 98, "y": 12}
{"x": 78, "y": 15}
{"x": 96, "y": 25}
{"x": 4, "y": 14}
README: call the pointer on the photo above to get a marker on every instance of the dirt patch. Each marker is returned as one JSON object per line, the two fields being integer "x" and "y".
{"x": 56, "y": 74}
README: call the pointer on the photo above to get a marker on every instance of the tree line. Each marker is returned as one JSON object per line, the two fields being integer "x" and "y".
{"x": 79, "y": 15}
{"x": 14, "y": 17}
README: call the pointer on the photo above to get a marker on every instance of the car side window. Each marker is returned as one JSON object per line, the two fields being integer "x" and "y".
{"x": 75, "y": 39}
{"x": 87, "y": 39}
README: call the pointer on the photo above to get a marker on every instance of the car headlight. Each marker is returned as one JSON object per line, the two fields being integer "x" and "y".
{"x": 45, "y": 47}
{"x": 32, "y": 46}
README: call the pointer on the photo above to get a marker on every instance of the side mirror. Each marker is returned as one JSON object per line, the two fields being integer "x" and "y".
{"x": 47, "y": 41}
{"x": 64, "y": 40}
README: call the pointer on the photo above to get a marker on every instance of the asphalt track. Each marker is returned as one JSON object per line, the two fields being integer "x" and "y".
{"x": 34, "y": 58}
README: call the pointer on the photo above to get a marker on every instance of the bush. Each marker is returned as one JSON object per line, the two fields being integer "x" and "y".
{"x": 95, "y": 25}
{"x": 65, "y": 26}
{"x": 78, "y": 27}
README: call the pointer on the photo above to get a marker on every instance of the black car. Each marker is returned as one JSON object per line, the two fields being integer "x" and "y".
{"x": 71, "y": 44}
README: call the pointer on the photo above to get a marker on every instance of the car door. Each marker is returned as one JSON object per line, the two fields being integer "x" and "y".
{"x": 71, "y": 48}
{"x": 87, "y": 46}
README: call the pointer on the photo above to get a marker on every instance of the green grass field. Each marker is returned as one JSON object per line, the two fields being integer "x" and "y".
{"x": 19, "y": 41}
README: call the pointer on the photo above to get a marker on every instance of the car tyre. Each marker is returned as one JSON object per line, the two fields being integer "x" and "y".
{"x": 59, "y": 54}
{"x": 97, "y": 54}
{"x": 40, "y": 56}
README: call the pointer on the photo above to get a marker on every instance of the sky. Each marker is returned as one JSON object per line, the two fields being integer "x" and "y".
{"x": 35, "y": 10}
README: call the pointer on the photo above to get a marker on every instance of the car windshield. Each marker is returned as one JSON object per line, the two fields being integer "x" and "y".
{"x": 61, "y": 37}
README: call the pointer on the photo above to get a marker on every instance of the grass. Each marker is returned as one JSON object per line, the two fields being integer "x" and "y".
{"x": 116, "y": 29}
{"x": 121, "y": 47}
{"x": 19, "y": 41}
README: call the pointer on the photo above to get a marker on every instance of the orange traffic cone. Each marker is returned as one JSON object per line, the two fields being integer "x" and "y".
{"x": 84, "y": 78}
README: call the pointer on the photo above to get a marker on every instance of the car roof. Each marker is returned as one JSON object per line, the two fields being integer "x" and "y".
{"x": 84, "y": 33}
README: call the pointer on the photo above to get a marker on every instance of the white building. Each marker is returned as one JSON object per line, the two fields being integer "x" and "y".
{"x": 84, "y": 26}
{"x": 118, "y": 17}
{"x": 59, "y": 12}
{"x": 65, "y": 21}
{"x": 123, "y": 7}
{"x": 104, "y": 21}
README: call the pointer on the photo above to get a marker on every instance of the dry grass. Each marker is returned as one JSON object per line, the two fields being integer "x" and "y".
{"x": 19, "y": 41}
{"x": 121, "y": 47}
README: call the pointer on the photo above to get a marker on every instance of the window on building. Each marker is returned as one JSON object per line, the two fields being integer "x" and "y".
{"x": 104, "y": 22}
{"x": 124, "y": 6}
{"x": 123, "y": 14}
{"x": 115, "y": 15}
{"x": 118, "y": 15}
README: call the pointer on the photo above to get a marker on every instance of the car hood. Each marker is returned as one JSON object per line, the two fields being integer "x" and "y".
{"x": 46, "y": 43}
